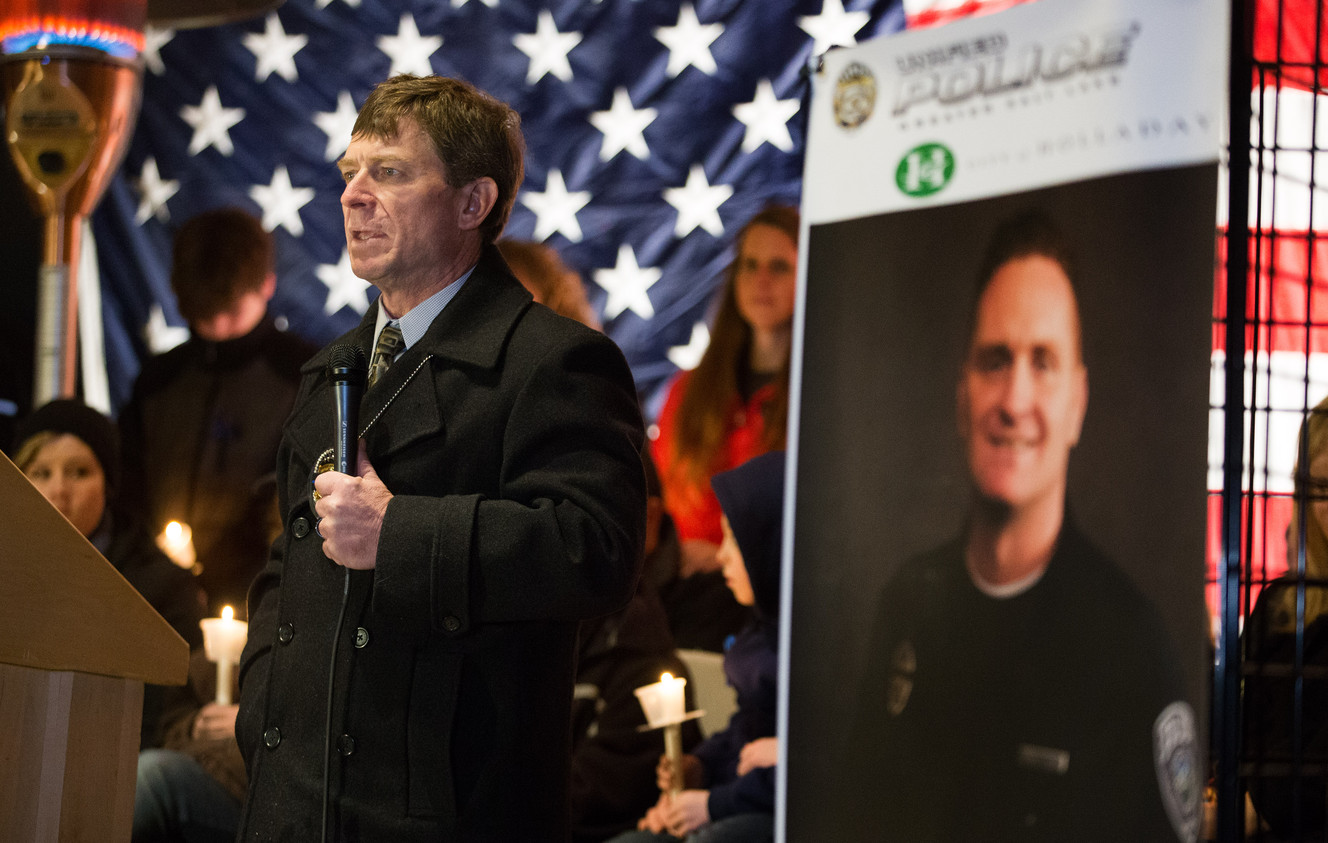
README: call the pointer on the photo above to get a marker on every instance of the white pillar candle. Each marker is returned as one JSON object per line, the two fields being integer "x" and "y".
{"x": 663, "y": 701}
{"x": 223, "y": 641}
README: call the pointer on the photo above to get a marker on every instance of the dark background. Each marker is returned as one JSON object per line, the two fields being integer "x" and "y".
{"x": 881, "y": 473}
{"x": 20, "y": 256}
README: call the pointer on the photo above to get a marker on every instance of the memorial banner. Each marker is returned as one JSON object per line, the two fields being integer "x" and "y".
{"x": 996, "y": 626}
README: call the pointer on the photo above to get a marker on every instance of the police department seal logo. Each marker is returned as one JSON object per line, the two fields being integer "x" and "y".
{"x": 855, "y": 96}
{"x": 1176, "y": 760}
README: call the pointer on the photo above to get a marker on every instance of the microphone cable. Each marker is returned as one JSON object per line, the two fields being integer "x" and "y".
{"x": 346, "y": 368}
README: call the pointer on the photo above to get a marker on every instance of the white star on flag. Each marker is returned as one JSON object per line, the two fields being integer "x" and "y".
{"x": 833, "y": 27}
{"x": 275, "y": 50}
{"x": 154, "y": 193}
{"x": 623, "y": 127}
{"x": 159, "y": 335}
{"x": 766, "y": 118}
{"x": 344, "y": 287}
{"x": 337, "y": 125}
{"x": 555, "y": 209}
{"x": 323, "y": 4}
{"x": 492, "y": 4}
{"x": 687, "y": 356}
{"x": 698, "y": 203}
{"x": 211, "y": 123}
{"x": 154, "y": 39}
{"x": 547, "y": 49}
{"x": 689, "y": 42}
{"x": 408, "y": 49}
{"x": 281, "y": 202}
{"x": 627, "y": 284}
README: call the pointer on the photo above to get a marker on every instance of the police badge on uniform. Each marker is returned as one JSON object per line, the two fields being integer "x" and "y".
{"x": 855, "y": 96}
{"x": 903, "y": 664}
{"x": 1176, "y": 760}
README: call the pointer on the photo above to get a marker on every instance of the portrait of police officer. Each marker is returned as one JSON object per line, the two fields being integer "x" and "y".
{"x": 1019, "y": 685}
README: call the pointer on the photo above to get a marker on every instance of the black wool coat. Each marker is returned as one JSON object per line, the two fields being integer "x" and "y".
{"x": 511, "y": 440}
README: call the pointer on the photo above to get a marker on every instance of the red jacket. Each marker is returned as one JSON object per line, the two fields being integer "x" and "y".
{"x": 694, "y": 510}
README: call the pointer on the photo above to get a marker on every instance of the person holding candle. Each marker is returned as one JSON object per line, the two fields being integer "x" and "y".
{"x": 70, "y": 452}
{"x": 190, "y": 789}
{"x": 203, "y": 422}
{"x": 728, "y": 780}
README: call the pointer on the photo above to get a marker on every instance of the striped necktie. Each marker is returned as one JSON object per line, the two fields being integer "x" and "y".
{"x": 389, "y": 345}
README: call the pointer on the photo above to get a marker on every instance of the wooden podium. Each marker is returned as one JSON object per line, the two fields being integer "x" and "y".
{"x": 77, "y": 642}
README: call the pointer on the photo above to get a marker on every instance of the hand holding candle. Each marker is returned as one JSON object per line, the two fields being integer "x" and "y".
{"x": 665, "y": 707}
{"x": 223, "y": 641}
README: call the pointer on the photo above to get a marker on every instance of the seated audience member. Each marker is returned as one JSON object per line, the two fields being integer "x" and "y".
{"x": 702, "y": 613}
{"x": 613, "y": 758}
{"x": 729, "y": 778}
{"x": 70, "y": 452}
{"x": 553, "y": 283}
{"x": 734, "y": 404}
{"x": 190, "y": 789}
{"x": 1272, "y": 707}
{"x": 202, "y": 426}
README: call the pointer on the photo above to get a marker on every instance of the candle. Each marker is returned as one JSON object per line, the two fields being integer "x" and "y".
{"x": 663, "y": 701}
{"x": 176, "y": 540}
{"x": 666, "y": 708}
{"x": 223, "y": 641}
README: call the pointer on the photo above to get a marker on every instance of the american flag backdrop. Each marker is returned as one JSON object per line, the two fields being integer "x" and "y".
{"x": 654, "y": 130}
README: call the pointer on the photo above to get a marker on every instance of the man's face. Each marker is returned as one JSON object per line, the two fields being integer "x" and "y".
{"x": 1024, "y": 389}
{"x": 240, "y": 318}
{"x": 401, "y": 216}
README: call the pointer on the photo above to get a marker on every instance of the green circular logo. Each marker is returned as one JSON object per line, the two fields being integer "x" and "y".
{"x": 925, "y": 169}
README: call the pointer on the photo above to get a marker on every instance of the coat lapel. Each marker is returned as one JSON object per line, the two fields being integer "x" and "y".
{"x": 470, "y": 333}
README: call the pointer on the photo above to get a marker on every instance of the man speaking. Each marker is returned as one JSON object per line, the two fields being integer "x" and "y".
{"x": 1021, "y": 687}
{"x": 410, "y": 661}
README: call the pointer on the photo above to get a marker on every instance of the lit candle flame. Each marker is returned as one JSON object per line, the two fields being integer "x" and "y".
{"x": 227, "y": 613}
{"x": 174, "y": 531}
{"x": 666, "y": 677}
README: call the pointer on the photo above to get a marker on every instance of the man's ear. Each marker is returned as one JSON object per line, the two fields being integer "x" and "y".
{"x": 961, "y": 407}
{"x": 269, "y": 286}
{"x": 478, "y": 199}
{"x": 1080, "y": 406}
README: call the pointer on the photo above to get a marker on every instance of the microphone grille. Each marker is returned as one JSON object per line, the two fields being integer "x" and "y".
{"x": 347, "y": 356}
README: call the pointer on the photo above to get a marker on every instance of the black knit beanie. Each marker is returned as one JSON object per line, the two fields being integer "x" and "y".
{"x": 66, "y": 415}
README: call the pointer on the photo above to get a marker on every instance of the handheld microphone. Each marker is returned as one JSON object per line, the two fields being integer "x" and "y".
{"x": 346, "y": 368}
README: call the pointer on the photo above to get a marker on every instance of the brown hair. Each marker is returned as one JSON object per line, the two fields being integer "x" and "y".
{"x": 548, "y": 279}
{"x": 1027, "y": 234}
{"x": 218, "y": 256}
{"x": 702, "y": 419}
{"x": 30, "y": 447}
{"x": 474, "y": 134}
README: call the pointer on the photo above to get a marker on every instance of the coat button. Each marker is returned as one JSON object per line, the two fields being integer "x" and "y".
{"x": 300, "y": 527}
{"x": 361, "y": 637}
{"x": 451, "y": 624}
{"x": 346, "y": 745}
{"x": 272, "y": 737}
{"x": 285, "y": 633}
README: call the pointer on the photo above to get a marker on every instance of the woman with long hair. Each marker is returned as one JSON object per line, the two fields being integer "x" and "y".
{"x": 734, "y": 404}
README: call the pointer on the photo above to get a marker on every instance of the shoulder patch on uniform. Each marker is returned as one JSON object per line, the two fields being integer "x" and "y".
{"x": 1176, "y": 761}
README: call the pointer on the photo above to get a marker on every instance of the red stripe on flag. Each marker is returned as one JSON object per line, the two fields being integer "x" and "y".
{"x": 1287, "y": 299}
